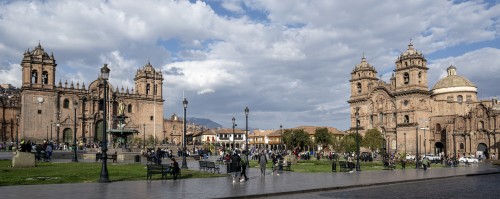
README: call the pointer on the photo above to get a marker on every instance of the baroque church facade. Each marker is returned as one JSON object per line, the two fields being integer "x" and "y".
{"x": 64, "y": 106}
{"x": 447, "y": 119}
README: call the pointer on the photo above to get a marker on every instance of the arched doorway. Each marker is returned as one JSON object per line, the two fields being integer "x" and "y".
{"x": 98, "y": 131}
{"x": 482, "y": 151}
{"x": 67, "y": 135}
{"x": 439, "y": 147}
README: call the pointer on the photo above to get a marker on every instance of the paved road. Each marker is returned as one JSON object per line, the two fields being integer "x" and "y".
{"x": 482, "y": 186}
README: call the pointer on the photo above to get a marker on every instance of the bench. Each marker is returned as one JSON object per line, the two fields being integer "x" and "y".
{"x": 98, "y": 157}
{"x": 203, "y": 165}
{"x": 157, "y": 169}
{"x": 344, "y": 167}
{"x": 220, "y": 160}
{"x": 287, "y": 166}
{"x": 212, "y": 167}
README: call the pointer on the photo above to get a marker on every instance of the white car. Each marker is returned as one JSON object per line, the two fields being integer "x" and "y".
{"x": 410, "y": 157}
{"x": 468, "y": 159}
{"x": 432, "y": 157}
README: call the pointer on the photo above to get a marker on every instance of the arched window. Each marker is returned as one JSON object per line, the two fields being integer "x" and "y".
{"x": 359, "y": 87}
{"x": 419, "y": 77}
{"x": 460, "y": 98}
{"x": 45, "y": 77}
{"x": 407, "y": 119}
{"x": 34, "y": 76}
{"x": 147, "y": 89}
{"x": 371, "y": 120}
{"x": 406, "y": 78}
{"x": 462, "y": 146}
{"x": 381, "y": 118}
{"x": 155, "y": 89}
{"x": 66, "y": 103}
{"x": 129, "y": 108}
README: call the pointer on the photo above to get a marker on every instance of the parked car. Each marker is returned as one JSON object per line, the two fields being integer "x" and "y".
{"x": 433, "y": 158}
{"x": 410, "y": 157}
{"x": 468, "y": 159}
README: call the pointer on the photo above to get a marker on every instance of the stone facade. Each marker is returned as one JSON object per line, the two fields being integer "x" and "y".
{"x": 447, "y": 119}
{"x": 45, "y": 104}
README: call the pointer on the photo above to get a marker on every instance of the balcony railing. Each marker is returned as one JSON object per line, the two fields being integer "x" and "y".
{"x": 223, "y": 138}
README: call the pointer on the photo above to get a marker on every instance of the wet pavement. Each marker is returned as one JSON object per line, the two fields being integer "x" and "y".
{"x": 223, "y": 187}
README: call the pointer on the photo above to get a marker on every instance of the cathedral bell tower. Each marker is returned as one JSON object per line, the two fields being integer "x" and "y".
{"x": 363, "y": 78}
{"x": 411, "y": 71}
{"x": 38, "y": 69}
{"x": 149, "y": 82}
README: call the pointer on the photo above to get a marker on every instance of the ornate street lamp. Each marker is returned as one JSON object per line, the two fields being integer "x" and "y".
{"x": 144, "y": 132}
{"x": 75, "y": 106}
{"x": 184, "y": 163}
{"x": 17, "y": 131}
{"x": 51, "y": 123}
{"x": 416, "y": 147}
{"x": 246, "y": 128}
{"x": 234, "y": 124}
{"x": 281, "y": 136}
{"x": 104, "y": 144}
{"x": 358, "y": 167}
{"x": 246, "y": 131}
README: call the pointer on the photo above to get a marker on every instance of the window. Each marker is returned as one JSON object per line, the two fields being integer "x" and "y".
{"x": 407, "y": 119}
{"x": 449, "y": 99}
{"x": 359, "y": 87}
{"x": 34, "y": 76}
{"x": 405, "y": 103}
{"x": 151, "y": 118}
{"x": 371, "y": 120}
{"x": 381, "y": 118}
{"x": 462, "y": 146}
{"x": 406, "y": 78}
{"x": 39, "y": 111}
{"x": 469, "y": 98}
{"x": 129, "y": 108}
{"x": 394, "y": 117}
{"x": 155, "y": 87}
{"x": 45, "y": 77}
{"x": 460, "y": 99}
{"x": 66, "y": 103}
{"x": 419, "y": 77}
{"x": 147, "y": 89}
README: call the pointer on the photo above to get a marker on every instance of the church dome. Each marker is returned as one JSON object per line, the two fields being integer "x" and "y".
{"x": 453, "y": 83}
{"x": 39, "y": 51}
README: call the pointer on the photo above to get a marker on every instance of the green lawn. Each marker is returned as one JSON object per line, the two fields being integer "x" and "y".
{"x": 56, "y": 173}
{"x": 326, "y": 166}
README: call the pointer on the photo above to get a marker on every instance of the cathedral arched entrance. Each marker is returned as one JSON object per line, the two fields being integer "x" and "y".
{"x": 482, "y": 150}
{"x": 439, "y": 147}
{"x": 67, "y": 135}
{"x": 98, "y": 131}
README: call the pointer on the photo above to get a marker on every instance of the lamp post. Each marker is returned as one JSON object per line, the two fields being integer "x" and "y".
{"x": 246, "y": 129}
{"x": 75, "y": 106}
{"x": 416, "y": 148}
{"x": 144, "y": 133}
{"x": 405, "y": 142}
{"x": 184, "y": 163}
{"x": 281, "y": 136}
{"x": 104, "y": 144}
{"x": 17, "y": 131}
{"x": 51, "y": 123}
{"x": 358, "y": 167}
{"x": 234, "y": 124}
{"x": 47, "y": 136}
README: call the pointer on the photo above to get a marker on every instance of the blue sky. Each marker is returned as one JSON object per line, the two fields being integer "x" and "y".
{"x": 288, "y": 61}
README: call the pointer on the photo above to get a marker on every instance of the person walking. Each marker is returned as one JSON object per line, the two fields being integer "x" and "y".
{"x": 262, "y": 162}
{"x": 235, "y": 166}
{"x": 244, "y": 165}
{"x": 425, "y": 162}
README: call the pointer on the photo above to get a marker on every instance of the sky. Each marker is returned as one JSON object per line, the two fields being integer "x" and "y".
{"x": 289, "y": 62}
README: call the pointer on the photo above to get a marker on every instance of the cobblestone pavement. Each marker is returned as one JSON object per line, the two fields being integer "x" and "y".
{"x": 478, "y": 186}
{"x": 223, "y": 187}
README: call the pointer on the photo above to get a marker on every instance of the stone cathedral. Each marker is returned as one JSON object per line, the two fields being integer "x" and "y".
{"x": 447, "y": 119}
{"x": 46, "y": 104}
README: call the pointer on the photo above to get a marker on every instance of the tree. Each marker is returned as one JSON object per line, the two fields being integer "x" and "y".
{"x": 373, "y": 139}
{"x": 296, "y": 138}
{"x": 323, "y": 137}
{"x": 348, "y": 142}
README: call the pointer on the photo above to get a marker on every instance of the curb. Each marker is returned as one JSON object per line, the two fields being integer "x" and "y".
{"x": 357, "y": 186}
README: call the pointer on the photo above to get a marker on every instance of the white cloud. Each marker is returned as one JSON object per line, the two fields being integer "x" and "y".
{"x": 291, "y": 65}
